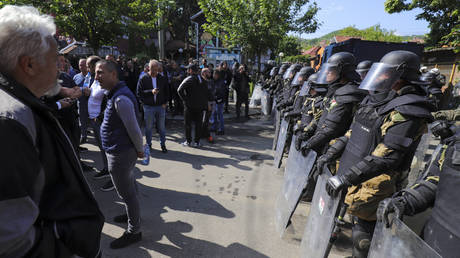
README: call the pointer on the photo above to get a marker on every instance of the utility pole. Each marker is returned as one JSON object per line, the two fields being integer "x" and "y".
{"x": 161, "y": 39}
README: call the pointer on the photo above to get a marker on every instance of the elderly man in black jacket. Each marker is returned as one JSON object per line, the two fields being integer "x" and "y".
{"x": 47, "y": 208}
{"x": 194, "y": 92}
{"x": 153, "y": 93}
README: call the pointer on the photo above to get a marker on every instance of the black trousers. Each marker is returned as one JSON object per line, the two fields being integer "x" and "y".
{"x": 193, "y": 116}
{"x": 239, "y": 101}
{"x": 178, "y": 104}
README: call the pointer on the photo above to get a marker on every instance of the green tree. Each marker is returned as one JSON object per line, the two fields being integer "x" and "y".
{"x": 258, "y": 25}
{"x": 289, "y": 45}
{"x": 102, "y": 22}
{"x": 375, "y": 33}
{"x": 443, "y": 17}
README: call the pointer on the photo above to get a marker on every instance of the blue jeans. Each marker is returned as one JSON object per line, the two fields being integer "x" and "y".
{"x": 217, "y": 118}
{"x": 154, "y": 115}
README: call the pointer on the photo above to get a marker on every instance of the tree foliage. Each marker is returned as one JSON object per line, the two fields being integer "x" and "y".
{"x": 296, "y": 59}
{"x": 258, "y": 25}
{"x": 102, "y": 22}
{"x": 374, "y": 33}
{"x": 443, "y": 17}
{"x": 289, "y": 45}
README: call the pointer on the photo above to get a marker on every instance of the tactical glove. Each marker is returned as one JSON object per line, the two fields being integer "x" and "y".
{"x": 298, "y": 142}
{"x": 321, "y": 161}
{"x": 441, "y": 129}
{"x": 396, "y": 204}
{"x": 336, "y": 183}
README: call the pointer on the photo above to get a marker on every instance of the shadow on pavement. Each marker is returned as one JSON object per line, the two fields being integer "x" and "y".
{"x": 198, "y": 161}
{"x": 169, "y": 238}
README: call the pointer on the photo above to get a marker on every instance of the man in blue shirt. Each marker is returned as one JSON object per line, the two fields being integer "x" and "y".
{"x": 83, "y": 80}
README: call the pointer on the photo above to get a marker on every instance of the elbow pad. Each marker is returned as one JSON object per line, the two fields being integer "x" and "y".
{"x": 420, "y": 197}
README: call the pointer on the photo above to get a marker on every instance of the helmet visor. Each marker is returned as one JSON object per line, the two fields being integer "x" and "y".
{"x": 327, "y": 74}
{"x": 299, "y": 78}
{"x": 427, "y": 77}
{"x": 362, "y": 72}
{"x": 288, "y": 74}
{"x": 282, "y": 70}
{"x": 305, "y": 90}
{"x": 380, "y": 77}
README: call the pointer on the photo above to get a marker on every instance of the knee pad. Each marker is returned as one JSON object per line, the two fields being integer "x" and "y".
{"x": 362, "y": 236}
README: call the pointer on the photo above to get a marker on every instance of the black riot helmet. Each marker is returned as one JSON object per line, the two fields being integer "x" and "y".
{"x": 283, "y": 69}
{"x": 395, "y": 65}
{"x": 320, "y": 88}
{"x": 293, "y": 69}
{"x": 274, "y": 71}
{"x": 339, "y": 65}
{"x": 307, "y": 84}
{"x": 433, "y": 78}
{"x": 363, "y": 67}
{"x": 302, "y": 75}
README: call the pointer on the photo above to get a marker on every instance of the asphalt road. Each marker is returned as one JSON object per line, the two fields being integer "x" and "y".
{"x": 213, "y": 201}
{"x": 217, "y": 200}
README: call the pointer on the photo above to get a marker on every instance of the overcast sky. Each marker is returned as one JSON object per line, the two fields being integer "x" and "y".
{"x": 337, "y": 14}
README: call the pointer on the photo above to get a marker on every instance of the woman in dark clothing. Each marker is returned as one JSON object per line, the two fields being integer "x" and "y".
{"x": 217, "y": 116}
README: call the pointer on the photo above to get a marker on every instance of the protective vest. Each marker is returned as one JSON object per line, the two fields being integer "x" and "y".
{"x": 339, "y": 93}
{"x": 298, "y": 102}
{"x": 446, "y": 210}
{"x": 114, "y": 136}
{"x": 367, "y": 133}
{"x": 311, "y": 107}
{"x": 287, "y": 90}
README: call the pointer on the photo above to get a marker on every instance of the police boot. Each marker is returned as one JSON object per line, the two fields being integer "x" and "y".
{"x": 362, "y": 236}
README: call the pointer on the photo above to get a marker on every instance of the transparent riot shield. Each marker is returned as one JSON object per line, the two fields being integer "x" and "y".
{"x": 305, "y": 90}
{"x": 274, "y": 111}
{"x": 256, "y": 96}
{"x": 321, "y": 220}
{"x": 277, "y": 128}
{"x": 398, "y": 241}
{"x": 279, "y": 151}
{"x": 298, "y": 168}
{"x": 265, "y": 103}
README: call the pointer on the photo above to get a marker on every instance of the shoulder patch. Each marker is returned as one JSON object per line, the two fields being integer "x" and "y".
{"x": 393, "y": 118}
{"x": 397, "y": 117}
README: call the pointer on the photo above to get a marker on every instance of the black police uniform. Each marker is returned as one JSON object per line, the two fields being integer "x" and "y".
{"x": 438, "y": 188}
{"x": 339, "y": 106}
{"x": 384, "y": 136}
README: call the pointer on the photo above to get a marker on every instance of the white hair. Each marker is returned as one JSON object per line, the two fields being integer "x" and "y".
{"x": 154, "y": 62}
{"x": 23, "y": 32}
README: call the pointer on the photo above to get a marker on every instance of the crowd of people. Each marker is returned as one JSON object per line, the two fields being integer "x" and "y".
{"x": 364, "y": 121}
{"x": 47, "y": 108}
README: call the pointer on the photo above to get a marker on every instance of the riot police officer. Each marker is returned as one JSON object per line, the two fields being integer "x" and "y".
{"x": 277, "y": 84}
{"x": 384, "y": 136}
{"x": 270, "y": 77}
{"x": 311, "y": 111}
{"x": 363, "y": 67}
{"x": 434, "y": 81}
{"x": 293, "y": 105}
{"x": 437, "y": 188}
{"x": 289, "y": 89}
{"x": 340, "y": 102}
